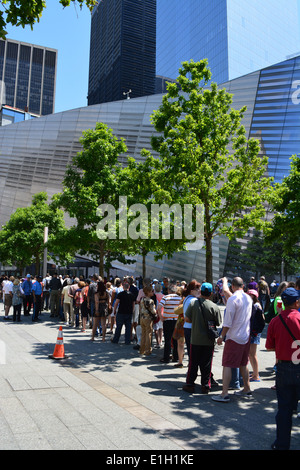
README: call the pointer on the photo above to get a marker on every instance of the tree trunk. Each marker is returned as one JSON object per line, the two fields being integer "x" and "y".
{"x": 144, "y": 254}
{"x": 101, "y": 260}
{"x": 208, "y": 259}
{"x": 37, "y": 265}
{"x": 208, "y": 244}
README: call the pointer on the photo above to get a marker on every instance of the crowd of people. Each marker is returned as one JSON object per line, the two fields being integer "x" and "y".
{"x": 182, "y": 318}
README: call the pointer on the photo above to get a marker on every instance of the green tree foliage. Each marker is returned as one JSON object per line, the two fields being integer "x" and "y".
{"x": 139, "y": 184}
{"x": 28, "y": 12}
{"x": 262, "y": 257}
{"x": 207, "y": 158}
{"x": 91, "y": 181}
{"x": 285, "y": 203}
{"x": 22, "y": 237}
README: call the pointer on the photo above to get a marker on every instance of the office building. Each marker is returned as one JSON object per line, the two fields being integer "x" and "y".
{"x": 27, "y": 77}
{"x": 122, "y": 50}
{"x": 34, "y": 153}
{"x": 236, "y": 36}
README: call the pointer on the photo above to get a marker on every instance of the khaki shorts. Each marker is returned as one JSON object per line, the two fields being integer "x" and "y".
{"x": 8, "y": 300}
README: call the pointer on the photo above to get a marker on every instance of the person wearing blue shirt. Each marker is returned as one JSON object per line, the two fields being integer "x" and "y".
{"x": 27, "y": 289}
{"x": 190, "y": 292}
{"x": 37, "y": 290}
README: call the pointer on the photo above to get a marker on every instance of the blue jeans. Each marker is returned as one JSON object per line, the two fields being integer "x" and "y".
{"x": 123, "y": 319}
{"x": 236, "y": 379}
{"x": 288, "y": 394}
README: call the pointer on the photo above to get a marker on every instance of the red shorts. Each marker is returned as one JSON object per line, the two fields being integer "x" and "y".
{"x": 235, "y": 355}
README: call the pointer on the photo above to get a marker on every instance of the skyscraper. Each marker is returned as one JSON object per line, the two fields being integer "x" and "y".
{"x": 122, "y": 50}
{"x": 28, "y": 76}
{"x": 236, "y": 36}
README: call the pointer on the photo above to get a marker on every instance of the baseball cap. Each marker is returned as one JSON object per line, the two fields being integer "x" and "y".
{"x": 290, "y": 295}
{"x": 28, "y": 275}
{"x": 206, "y": 288}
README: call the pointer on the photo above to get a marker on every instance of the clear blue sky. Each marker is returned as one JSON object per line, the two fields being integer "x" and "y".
{"x": 68, "y": 31}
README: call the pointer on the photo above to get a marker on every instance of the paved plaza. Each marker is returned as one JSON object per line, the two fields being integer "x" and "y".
{"x": 103, "y": 396}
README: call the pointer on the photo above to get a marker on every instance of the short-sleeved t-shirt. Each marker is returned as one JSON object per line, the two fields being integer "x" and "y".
{"x": 237, "y": 317}
{"x": 169, "y": 303}
{"x": 126, "y": 299}
{"x": 278, "y": 337}
{"x": 211, "y": 312}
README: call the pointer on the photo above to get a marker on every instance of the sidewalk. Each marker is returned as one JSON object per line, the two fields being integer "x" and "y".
{"x": 103, "y": 396}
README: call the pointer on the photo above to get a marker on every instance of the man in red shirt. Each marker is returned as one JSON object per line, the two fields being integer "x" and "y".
{"x": 283, "y": 337}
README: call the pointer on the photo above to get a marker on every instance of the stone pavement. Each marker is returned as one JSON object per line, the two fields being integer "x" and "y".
{"x": 103, "y": 396}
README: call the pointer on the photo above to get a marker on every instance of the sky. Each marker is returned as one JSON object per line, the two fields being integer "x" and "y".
{"x": 68, "y": 31}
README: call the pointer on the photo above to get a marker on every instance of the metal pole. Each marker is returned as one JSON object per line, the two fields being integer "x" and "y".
{"x": 282, "y": 270}
{"x": 45, "y": 252}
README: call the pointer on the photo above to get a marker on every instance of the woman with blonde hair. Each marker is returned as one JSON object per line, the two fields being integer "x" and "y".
{"x": 147, "y": 313}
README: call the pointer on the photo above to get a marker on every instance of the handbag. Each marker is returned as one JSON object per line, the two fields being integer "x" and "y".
{"x": 212, "y": 331}
{"x": 154, "y": 317}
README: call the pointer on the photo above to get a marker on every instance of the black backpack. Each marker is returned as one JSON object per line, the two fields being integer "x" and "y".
{"x": 257, "y": 322}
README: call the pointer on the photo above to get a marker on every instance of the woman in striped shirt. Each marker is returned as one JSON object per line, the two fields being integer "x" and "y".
{"x": 166, "y": 313}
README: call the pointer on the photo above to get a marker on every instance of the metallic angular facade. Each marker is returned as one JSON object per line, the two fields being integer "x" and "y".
{"x": 34, "y": 153}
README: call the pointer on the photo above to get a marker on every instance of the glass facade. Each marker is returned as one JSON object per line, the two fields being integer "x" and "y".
{"x": 122, "y": 50}
{"x": 28, "y": 75}
{"x": 236, "y": 36}
{"x": 261, "y": 33}
{"x": 193, "y": 29}
{"x": 276, "y": 116}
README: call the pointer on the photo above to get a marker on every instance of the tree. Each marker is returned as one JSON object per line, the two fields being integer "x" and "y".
{"x": 28, "y": 12}
{"x": 22, "y": 237}
{"x": 139, "y": 184}
{"x": 92, "y": 182}
{"x": 262, "y": 257}
{"x": 285, "y": 205}
{"x": 207, "y": 158}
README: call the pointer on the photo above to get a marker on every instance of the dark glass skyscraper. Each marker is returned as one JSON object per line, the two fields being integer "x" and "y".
{"x": 28, "y": 76}
{"x": 122, "y": 50}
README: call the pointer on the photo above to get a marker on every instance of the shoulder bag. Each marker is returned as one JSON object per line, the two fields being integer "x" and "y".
{"x": 212, "y": 331}
{"x": 283, "y": 322}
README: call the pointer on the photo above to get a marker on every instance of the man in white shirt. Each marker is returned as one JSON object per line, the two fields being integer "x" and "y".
{"x": 236, "y": 328}
{"x": 7, "y": 291}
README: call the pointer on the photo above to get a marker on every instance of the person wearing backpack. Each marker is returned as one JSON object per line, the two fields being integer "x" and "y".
{"x": 257, "y": 323}
{"x": 17, "y": 300}
{"x": 102, "y": 307}
{"x": 78, "y": 301}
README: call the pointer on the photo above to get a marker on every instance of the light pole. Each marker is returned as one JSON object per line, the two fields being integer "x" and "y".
{"x": 45, "y": 252}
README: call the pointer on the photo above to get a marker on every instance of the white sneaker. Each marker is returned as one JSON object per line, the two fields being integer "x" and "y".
{"x": 241, "y": 393}
{"x": 221, "y": 398}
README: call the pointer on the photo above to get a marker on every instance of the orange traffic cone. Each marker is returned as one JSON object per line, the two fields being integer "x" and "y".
{"x": 59, "y": 350}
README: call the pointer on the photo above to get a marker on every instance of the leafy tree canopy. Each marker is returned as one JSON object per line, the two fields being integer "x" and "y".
{"x": 28, "y": 12}
{"x": 285, "y": 203}
{"x": 207, "y": 158}
{"x": 22, "y": 237}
